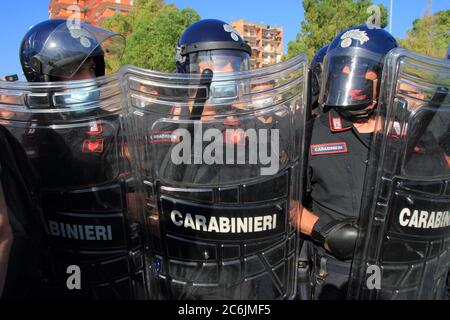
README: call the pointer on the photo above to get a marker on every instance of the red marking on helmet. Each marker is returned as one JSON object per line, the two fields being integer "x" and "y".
{"x": 93, "y": 146}
{"x": 355, "y": 95}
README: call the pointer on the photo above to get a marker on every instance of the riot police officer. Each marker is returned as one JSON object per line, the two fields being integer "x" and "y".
{"x": 208, "y": 47}
{"x": 339, "y": 152}
{"x": 210, "y": 44}
{"x": 185, "y": 262}
{"x": 78, "y": 151}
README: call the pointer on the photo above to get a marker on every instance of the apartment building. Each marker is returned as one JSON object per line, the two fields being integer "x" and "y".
{"x": 266, "y": 42}
{"x": 92, "y": 11}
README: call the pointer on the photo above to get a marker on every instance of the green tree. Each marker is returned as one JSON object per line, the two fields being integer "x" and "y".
{"x": 429, "y": 35}
{"x": 151, "y": 29}
{"x": 325, "y": 19}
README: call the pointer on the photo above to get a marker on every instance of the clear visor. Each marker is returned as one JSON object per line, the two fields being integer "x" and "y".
{"x": 350, "y": 80}
{"x": 218, "y": 61}
{"x": 70, "y": 45}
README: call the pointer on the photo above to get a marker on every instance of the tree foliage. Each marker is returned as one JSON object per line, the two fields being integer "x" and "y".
{"x": 429, "y": 35}
{"x": 152, "y": 29}
{"x": 325, "y": 19}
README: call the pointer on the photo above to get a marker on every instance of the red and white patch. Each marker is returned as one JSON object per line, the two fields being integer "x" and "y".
{"x": 329, "y": 148}
{"x": 164, "y": 137}
{"x": 337, "y": 125}
{"x": 95, "y": 128}
{"x": 93, "y": 146}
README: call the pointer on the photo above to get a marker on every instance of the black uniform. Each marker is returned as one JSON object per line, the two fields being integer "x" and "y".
{"x": 234, "y": 200}
{"x": 336, "y": 170}
{"x": 83, "y": 192}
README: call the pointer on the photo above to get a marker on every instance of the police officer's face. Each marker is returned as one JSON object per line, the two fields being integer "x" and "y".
{"x": 86, "y": 71}
{"x": 222, "y": 66}
{"x": 369, "y": 75}
{"x": 6, "y": 114}
{"x": 413, "y": 95}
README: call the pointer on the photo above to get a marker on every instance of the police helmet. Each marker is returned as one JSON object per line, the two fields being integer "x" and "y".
{"x": 213, "y": 43}
{"x": 54, "y": 50}
{"x": 352, "y": 71}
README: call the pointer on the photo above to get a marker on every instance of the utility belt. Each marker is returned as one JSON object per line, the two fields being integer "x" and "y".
{"x": 330, "y": 276}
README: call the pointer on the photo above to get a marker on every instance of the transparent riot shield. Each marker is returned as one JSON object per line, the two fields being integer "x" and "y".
{"x": 403, "y": 251}
{"x": 72, "y": 134}
{"x": 219, "y": 157}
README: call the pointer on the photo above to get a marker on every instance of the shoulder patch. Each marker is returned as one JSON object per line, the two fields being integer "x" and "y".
{"x": 93, "y": 146}
{"x": 337, "y": 124}
{"x": 164, "y": 137}
{"x": 95, "y": 128}
{"x": 329, "y": 148}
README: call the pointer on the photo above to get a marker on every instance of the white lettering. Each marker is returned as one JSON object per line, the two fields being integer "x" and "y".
{"x": 80, "y": 232}
{"x": 424, "y": 219}
{"x": 189, "y": 222}
{"x": 174, "y": 215}
{"x": 414, "y": 220}
{"x": 222, "y": 224}
{"x": 404, "y": 222}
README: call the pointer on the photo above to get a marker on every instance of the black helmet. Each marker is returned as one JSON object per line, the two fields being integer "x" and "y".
{"x": 352, "y": 70}
{"x": 211, "y": 41}
{"x": 316, "y": 73}
{"x": 54, "y": 50}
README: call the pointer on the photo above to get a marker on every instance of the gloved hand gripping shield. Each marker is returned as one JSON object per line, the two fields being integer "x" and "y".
{"x": 72, "y": 136}
{"x": 219, "y": 158}
{"x": 403, "y": 251}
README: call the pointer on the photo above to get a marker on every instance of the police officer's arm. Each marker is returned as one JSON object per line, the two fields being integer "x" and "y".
{"x": 6, "y": 239}
{"x": 336, "y": 236}
{"x": 308, "y": 221}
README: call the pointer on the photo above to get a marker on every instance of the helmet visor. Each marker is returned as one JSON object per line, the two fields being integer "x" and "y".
{"x": 350, "y": 80}
{"x": 70, "y": 45}
{"x": 218, "y": 61}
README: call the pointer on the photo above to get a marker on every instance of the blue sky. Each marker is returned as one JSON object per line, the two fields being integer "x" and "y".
{"x": 17, "y": 16}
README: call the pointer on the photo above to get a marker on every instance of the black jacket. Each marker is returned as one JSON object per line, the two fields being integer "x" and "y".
{"x": 338, "y": 158}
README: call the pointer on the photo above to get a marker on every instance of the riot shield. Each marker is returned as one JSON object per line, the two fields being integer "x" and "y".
{"x": 219, "y": 158}
{"x": 72, "y": 134}
{"x": 403, "y": 251}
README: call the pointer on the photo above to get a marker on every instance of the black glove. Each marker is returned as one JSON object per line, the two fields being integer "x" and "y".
{"x": 338, "y": 235}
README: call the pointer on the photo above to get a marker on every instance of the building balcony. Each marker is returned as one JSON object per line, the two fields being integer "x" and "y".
{"x": 267, "y": 39}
